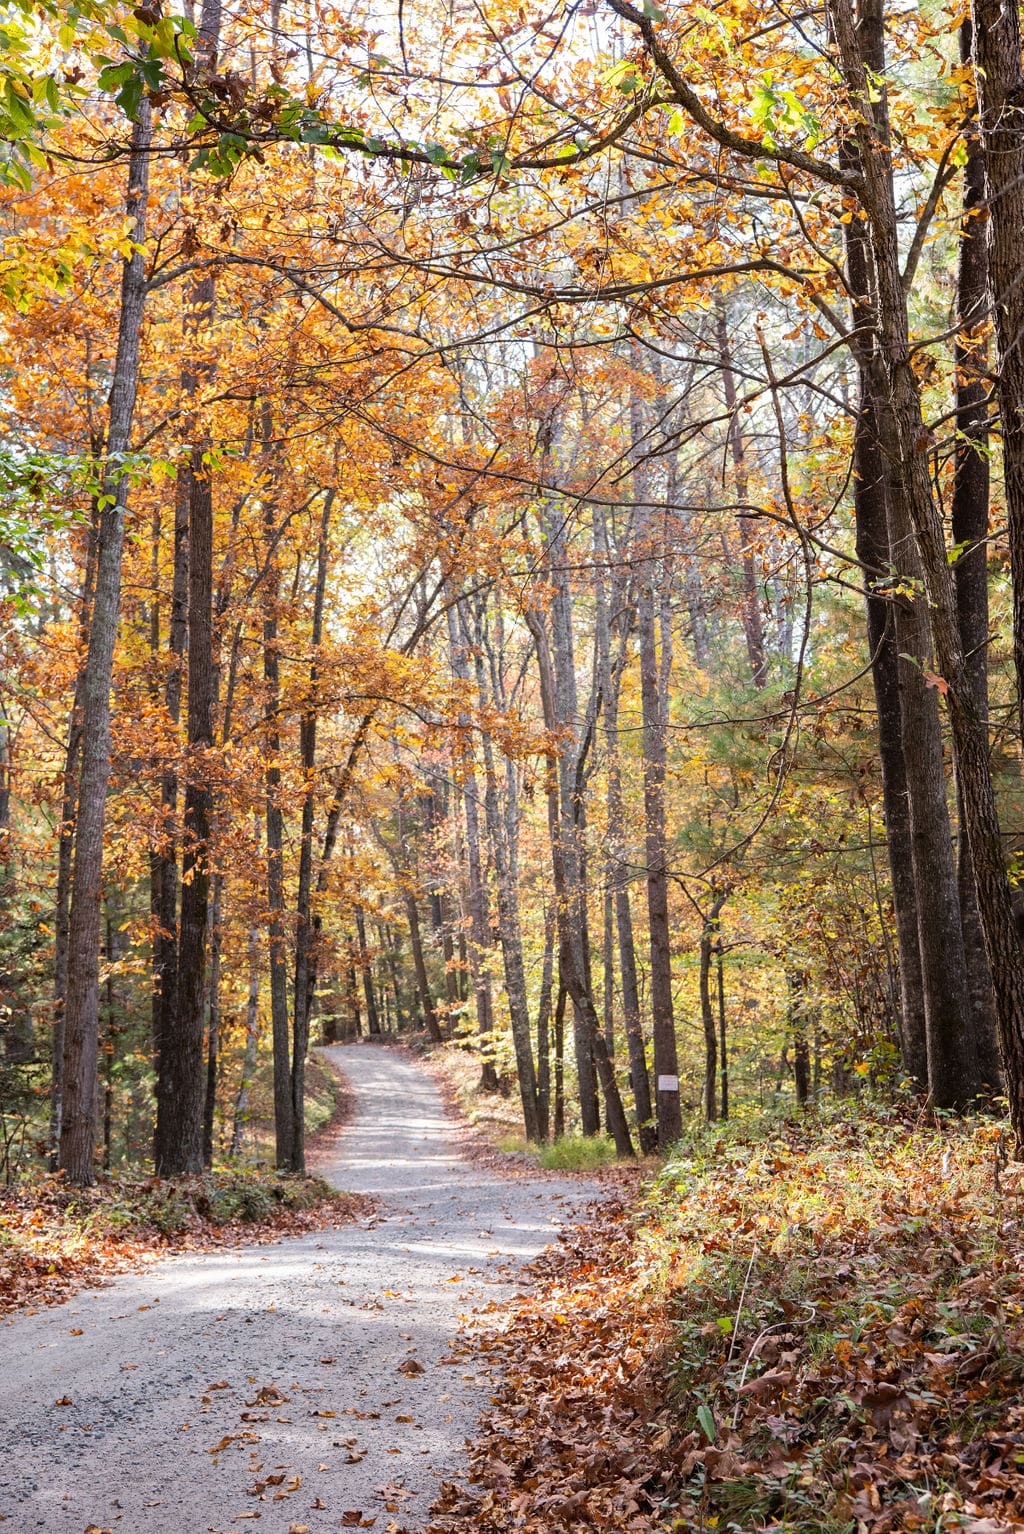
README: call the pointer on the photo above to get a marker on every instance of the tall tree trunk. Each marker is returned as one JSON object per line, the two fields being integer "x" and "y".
{"x": 165, "y": 856}
{"x": 753, "y": 626}
{"x": 544, "y": 1026}
{"x": 284, "y": 1122}
{"x": 372, "y": 1015}
{"x": 479, "y": 917}
{"x": 951, "y": 1060}
{"x": 78, "y": 1125}
{"x": 566, "y": 812}
{"x": 707, "y": 1017}
{"x": 558, "y": 1121}
{"x": 251, "y": 1041}
{"x": 999, "y": 84}
{"x": 420, "y": 966}
{"x": 907, "y": 447}
{"x": 213, "y": 1033}
{"x": 970, "y": 519}
{"x": 509, "y": 933}
{"x": 181, "y": 1093}
{"x": 571, "y": 969}
{"x": 666, "y": 1067}
{"x": 65, "y": 851}
{"x": 617, "y": 867}
{"x": 302, "y": 996}
{"x": 871, "y": 476}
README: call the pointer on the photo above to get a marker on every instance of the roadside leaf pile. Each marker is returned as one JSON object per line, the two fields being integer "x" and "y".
{"x": 55, "y": 1239}
{"x": 816, "y": 1327}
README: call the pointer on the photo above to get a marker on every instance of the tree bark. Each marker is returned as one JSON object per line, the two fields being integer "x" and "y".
{"x": 479, "y": 916}
{"x": 999, "y": 84}
{"x": 970, "y": 522}
{"x": 653, "y": 712}
{"x": 78, "y": 1126}
{"x": 907, "y": 449}
{"x": 302, "y": 993}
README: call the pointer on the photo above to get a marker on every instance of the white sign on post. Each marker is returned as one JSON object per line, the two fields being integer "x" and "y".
{"x": 668, "y": 1083}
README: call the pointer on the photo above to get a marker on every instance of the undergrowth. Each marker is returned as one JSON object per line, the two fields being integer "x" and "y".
{"x": 812, "y": 1325}
{"x": 846, "y": 1299}
{"x": 55, "y": 1238}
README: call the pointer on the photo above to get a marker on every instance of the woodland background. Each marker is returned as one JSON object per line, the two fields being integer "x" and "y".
{"x": 511, "y": 529}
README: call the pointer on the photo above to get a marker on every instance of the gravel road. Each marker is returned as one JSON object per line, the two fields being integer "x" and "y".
{"x": 280, "y": 1388}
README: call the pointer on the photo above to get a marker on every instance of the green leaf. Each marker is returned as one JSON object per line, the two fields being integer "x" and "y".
{"x": 706, "y": 1418}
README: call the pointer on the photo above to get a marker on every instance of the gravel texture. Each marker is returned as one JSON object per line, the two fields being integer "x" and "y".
{"x": 281, "y": 1388}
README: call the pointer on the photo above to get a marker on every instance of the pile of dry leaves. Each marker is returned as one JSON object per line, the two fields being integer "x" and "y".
{"x": 821, "y": 1328}
{"x": 55, "y": 1239}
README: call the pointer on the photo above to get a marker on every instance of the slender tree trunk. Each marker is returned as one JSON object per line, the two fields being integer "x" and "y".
{"x": 509, "y": 932}
{"x": 165, "y": 858}
{"x": 544, "y": 1027}
{"x": 251, "y": 1042}
{"x": 707, "y": 943}
{"x": 213, "y": 1033}
{"x": 479, "y": 918}
{"x": 372, "y": 1015}
{"x": 571, "y": 969}
{"x": 798, "y": 1029}
{"x": 666, "y": 1067}
{"x": 617, "y": 864}
{"x": 420, "y": 966}
{"x": 558, "y": 1126}
{"x": 284, "y": 1122}
{"x": 302, "y": 996}
{"x": 78, "y": 1124}
{"x": 970, "y": 520}
{"x": 66, "y": 844}
{"x": 723, "y": 1048}
{"x": 753, "y": 627}
{"x": 999, "y": 83}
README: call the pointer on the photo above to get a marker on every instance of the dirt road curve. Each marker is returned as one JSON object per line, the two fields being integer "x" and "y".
{"x": 164, "y": 1402}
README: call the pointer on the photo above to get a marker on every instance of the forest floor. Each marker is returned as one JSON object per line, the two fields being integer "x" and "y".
{"x": 813, "y": 1325}
{"x": 304, "y": 1386}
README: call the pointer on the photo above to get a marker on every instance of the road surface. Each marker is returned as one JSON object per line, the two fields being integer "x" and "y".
{"x": 282, "y": 1387}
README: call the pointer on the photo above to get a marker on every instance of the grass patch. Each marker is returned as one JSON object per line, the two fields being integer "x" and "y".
{"x": 576, "y": 1153}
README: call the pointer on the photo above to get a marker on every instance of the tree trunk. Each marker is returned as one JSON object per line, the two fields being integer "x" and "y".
{"x": 970, "y": 520}
{"x": 509, "y": 933}
{"x": 571, "y": 969}
{"x": 302, "y": 994}
{"x": 165, "y": 857}
{"x": 999, "y": 83}
{"x": 907, "y": 447}
{"x": 709, "y": 930}
{"x": 558, "y": 1124}
{"x": 284, "y": 1122}
{"x": 951, "y": 1059}
{"x": 544, "y": 1027}
{"x": 479, "y": 918}
{"x": 617, "y": 873}
{"x": 213, "y": 1028}
{"x": 78, "y": 1125}
{"x": 666, "y": 1067}
{"x": 420, "y": 967}
{"x": 251, "y": 1042}
{"x": 372, "y": 1015}
{"x": 753, "y": 627}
